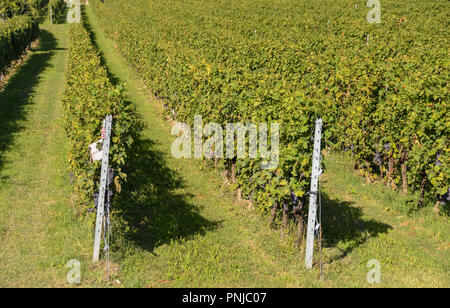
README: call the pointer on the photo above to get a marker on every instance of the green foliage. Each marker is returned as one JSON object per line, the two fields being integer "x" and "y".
{"x": 382, "y": 89}
{"x": 9, "y": 8}
{"x": 58, "y": 10}
{"x": 88, "y": 98}
{"x": 16, "y": 34}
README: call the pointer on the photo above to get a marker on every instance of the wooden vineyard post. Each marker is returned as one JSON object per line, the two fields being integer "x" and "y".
{"x": 51, "y": 15}
{"x": 316, "y": 171}
{"x": 102, "y": 192}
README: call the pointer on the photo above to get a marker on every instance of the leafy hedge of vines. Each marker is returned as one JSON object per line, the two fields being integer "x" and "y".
{"x": 10, "y": 8}
{"x": 16, "y": 34}
{"x": 58, "y": 10}
{"x": 90, "y": 96}
{"x": 382, "y": 89}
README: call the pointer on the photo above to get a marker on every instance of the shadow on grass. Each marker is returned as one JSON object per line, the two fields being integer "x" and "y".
{"x": 344, "y": 223}
{"x": 445, "y": 210}
{"x": 151, "y": 211}
{"x": 17, "y": 94}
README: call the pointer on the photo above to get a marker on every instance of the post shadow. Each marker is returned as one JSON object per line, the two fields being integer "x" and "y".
{"x": 17, "y": 94}
{"x": 342, "y": 222}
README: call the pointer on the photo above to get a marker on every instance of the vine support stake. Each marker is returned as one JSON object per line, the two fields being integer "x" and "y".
{"x": 312, "y": 214}
{"x": 102, "y": 192}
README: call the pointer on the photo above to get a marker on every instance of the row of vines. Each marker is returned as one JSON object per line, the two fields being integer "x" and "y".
{"x": 88, "y": 98}
{"x": 34, "y": 8}
{"x": 10, "y": 8}
{"x": 58, "y": 10}
{"x": 381, "y": 89}
{"x": 16, "y": 35}
{"x": 19, "y": 27}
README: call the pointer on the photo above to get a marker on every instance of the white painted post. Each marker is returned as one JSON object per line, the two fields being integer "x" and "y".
{"x": 51, "y": 14}
{"x": 312, "y": 214}
{"x": 102, "y": 192}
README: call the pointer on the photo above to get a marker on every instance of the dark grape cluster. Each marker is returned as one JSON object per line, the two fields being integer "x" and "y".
{"x": 96, "y": 197}
{"x": 377, "y": 159}
{"x": 438, "y": 162}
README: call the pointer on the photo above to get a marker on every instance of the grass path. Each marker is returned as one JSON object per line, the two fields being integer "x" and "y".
{"x": 213, "y": 241}
{"x": 364, "y": 222}
{"x": 39, "y": 230}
